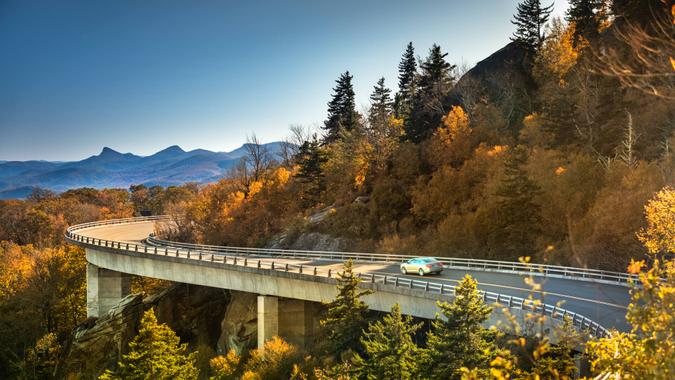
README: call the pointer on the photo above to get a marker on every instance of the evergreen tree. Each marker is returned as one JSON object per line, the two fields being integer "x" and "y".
{"x": 390, "y": 350}
{"x": 341, "y": 109}
{"x": 155, "y": 353}
{"x": 519, "y": 217}
{"x": 459, "y": 340}
{"x": 429, "y": 103}
{"x": 346, "y": 315}
{"x": 380, "y": 106}
{"x": 586, "y": 16}
{"x": 407, "y": 81}
{"x": 310, "y": 159}
{"x": 530, "y": 19}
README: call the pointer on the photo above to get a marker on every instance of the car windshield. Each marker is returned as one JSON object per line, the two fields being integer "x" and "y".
{"x": 429, "y": 260}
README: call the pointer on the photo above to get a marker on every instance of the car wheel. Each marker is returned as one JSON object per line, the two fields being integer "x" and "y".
{"x": 403, "y": 270}
{"x": 421, "y": 272}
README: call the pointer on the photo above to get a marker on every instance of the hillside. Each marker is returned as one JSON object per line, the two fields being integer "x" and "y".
{"x": 170, "y": 166}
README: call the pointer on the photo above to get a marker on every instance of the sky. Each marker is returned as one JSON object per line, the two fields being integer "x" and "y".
{"x": 138, "y": 76}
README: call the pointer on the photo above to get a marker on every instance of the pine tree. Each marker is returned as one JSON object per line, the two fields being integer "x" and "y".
{"x": 346, "y": 315}
{"x": 586, "y": 16}
{"x": 530, "y": 19}
{"x": 459, "y": 340}
{"x": 380, "y": 106}
{"x": 407, "y": 82}
{"x": 390, "y": 350}
{"x": 310, "y": 159}
{"x": 519, "y": 217}
{"x": 155, "y": 353}
{"x": 429, "y": 103}
{"x": 341, "y": 109}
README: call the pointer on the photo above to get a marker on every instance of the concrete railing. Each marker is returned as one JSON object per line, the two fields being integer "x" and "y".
{"x": 244, "y": 258}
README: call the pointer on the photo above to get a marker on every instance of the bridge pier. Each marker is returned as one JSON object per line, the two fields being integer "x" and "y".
{"x": 292, "y": 319}
{"x": 105, "y": 288}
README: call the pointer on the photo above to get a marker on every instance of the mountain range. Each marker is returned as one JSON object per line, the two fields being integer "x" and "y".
{"x": 112, "y": 169}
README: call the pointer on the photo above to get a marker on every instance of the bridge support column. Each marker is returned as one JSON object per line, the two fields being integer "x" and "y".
{"x": 268, "y": 319}
{"x": 298, "y": 321}
{"x": 105, "y": 288}
{"x": 293, "y": 320}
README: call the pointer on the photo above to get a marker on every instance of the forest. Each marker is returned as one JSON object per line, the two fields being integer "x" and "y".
{"x": 558, "y": 147}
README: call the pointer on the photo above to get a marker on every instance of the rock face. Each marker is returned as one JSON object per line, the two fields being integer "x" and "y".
{"x": 201, "y": 316}
{"x": 98, "y": 343}
{"x": 503, "y": 79}
{"x": 312, "y": 241}
{"x": 238, "y": 329}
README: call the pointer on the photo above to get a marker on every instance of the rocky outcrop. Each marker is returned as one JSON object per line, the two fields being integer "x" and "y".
{"x": 99, "y": 343}
{"x": 238, "y": 328}
{"x": 202, "y": 317}
{"x": 502, "y": 79}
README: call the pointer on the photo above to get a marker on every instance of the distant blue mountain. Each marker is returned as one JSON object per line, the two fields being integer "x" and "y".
{"x": 112, "y": 169}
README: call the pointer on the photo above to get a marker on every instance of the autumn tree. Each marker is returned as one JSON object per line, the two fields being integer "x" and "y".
{"x": 390, "y": 352}
{"x": 648, "y": 350}
{"x": 553, "y": 65}
{"x": 453, "y": 143}
{"x": 155, "y": 353}
{"x": 310, "y": 159}
{"x": 380, "y": 105}
{"x": 530, "y": 18}
{"x": 407, "y": 82}
{"x": 345, "y": 317}
{"x": 275, "y": 361}
{"x": 518, "y": 213}
{"x": 384, "y": 129}
{"x": 588, "y": 17}
{"x": 225, "y": 367}
{"x": 342, "y": 115}
{"x": 429, "y": 103}
{"x": 458, "y": 340}
{"x": 659, "y": 236}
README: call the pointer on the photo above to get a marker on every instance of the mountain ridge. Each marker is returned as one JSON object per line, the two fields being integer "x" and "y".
{"x": 112, "y": 169}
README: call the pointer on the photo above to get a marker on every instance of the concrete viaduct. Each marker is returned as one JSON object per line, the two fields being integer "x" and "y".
{"x": 290, "y": 284}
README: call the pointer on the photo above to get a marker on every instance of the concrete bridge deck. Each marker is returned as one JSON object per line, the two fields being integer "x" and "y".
{"x": 602, "y": 302}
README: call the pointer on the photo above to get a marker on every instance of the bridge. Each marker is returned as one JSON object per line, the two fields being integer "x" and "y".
{"x": 291, "y": 283}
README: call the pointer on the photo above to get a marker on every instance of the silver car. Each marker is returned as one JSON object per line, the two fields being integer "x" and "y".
{"x": 422, "y": 266}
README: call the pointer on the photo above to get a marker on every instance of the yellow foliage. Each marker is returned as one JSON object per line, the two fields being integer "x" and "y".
{"x": 224, "y": 367}
{"x": 560, "y": 170}
{"x": 281, "y": 175}
{"x": 497, "y": 150}
{"x": 648, "y": 351}
{"x": 455, "y": 124}
{"x": 559, "y": 53}
{"x": 274, "y": 360}
{"x": 659, "y": 236}
{"x": 254, "y": 188}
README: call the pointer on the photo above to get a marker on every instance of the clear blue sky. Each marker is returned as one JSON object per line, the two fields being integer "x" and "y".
{"x": 139, "y": 76}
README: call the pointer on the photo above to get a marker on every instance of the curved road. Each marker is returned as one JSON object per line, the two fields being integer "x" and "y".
{"x": 601, "y": 302}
